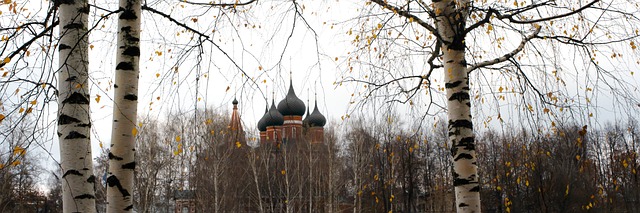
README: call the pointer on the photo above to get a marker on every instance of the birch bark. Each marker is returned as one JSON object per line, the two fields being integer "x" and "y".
{"x": 74, "y": 123}
{"x": 450, "y": 22}
{"x": 121, "y": 156}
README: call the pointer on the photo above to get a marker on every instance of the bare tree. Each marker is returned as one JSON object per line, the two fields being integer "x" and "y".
{"x": 402, "y": 44}
{"x": 74, "y": 123}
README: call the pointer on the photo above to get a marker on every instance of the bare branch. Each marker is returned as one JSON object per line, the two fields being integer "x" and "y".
{"x": 237, "y": 3}
{"x": 507, "y": 56}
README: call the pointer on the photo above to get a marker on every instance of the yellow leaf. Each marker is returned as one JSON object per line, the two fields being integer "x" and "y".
{"x": 283, "y": 172}
{"x": 500, "y": 89}
{"x": 157, "y": 75}
{"x": 7, "y": 73}
{"x": 15, "y": 163}
{"x": 21, "y": 110}
{"x": 97, "y": 98}
{"x": 91, "y": 46}
{"x": 577, "y": 157}
{"x": 259, "y": 67}
{"x": 1, "y": 117}
{"x": 34, "y": 102}
{"x": 566, "y": 192}
{"x": 238, "y": 144}
{"x": 7, "y": 60}
{"x": 100, "y": 144}
{"x": 134, "y": 131}
{"x": 178, "y": 138}
{"x": 19, "y": 150}
{"x": 499, "y": 188}
{"x": 1, "y": 165}
{"x": 7, "y": 1}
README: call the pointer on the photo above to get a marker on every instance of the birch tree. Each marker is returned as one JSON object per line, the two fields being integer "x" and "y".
{"x": 402, "y": 44}
{"x": 74, "y": 124}
{"x": 121, "y": 158}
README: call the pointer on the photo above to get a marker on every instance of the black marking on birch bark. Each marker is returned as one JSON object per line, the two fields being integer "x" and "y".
{"x": 91, "y": 179}
{"x": 128, "y": 208}
{"x": 65, "y": 119}
{"x": 125, "y": 29}
{"x": 466, "y": 88}
{"x": 72, "y": 78}
{"x": 463, "y": 155}
{"x": 125, "y": 66}
{"x": 463, "y": 205}
{"x": 63, "y": 47}
{"x": 460, "y": 181}
{"x": 463, "y": 62}
{"x": 128, "y": 14}
{"x": 131, "y": 165}
{"x": 461, "y": 124}
{"x": 76, "y": 98}
{"x": 131, "y": 97}
{"x": 84, "y": 10}
{"x": 459, "y": 96}
{"x": 72, "y": 172}
{"x": 59, "y": 2}
{"x": 132, "y": 51}
{"x": 468, "y": 143}
{"x": 113, "y": 181}
{"x": 452, "y": 85}
{"x": 112, "y": 156}
{"x": 59, "y": 134}
{"x": 115, "y": 86}
{"x": 449, "y": 61}
{"x": 84, "y": 125}
{"x": 475, "y": 189}
{"x": 75, "y": 135}
{"x": 74, "y": 26}
{"x": 85, "y": 196}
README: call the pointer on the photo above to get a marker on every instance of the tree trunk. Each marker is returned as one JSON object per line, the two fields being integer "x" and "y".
{"x": 121, "y": 157}
{"x": 74, "y": 123}
{"x": 450, "y": 22}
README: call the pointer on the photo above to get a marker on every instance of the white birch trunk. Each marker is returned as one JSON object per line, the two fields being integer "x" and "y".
{"x": 121, "y": 156}
{"x": 450, "y": 23}
{"x": 74, "y": 123}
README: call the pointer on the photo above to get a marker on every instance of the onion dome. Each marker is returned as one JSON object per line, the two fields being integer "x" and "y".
{"x": 235, "y": 101}
{"x": 291, "y": 104}
{"x": 262, "y": 126}
{"x": 273, "y": 117}
{"x": 316, "y": 118}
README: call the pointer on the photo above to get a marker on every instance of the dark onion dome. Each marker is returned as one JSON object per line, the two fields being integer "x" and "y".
{"x": 235, "y": 101}
{"x": 273, "y": 117}
{"x": 261, "y": 125}
{"x": 291, "y": 104}
{"x": 316, "y": 118}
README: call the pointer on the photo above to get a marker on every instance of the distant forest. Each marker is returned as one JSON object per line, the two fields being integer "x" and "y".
{"x": 363, "y": 166}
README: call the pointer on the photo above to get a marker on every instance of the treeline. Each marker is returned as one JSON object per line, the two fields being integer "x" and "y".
{"x": 363, "y": 166}
{"x": 373, "y": 166}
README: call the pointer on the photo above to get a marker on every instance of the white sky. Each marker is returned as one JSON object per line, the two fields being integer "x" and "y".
{"x": 312, "y": 63}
